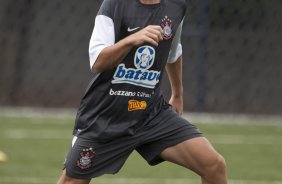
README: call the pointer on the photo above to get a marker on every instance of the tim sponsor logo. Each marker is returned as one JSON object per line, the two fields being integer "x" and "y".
{"x": 136, "y": 105}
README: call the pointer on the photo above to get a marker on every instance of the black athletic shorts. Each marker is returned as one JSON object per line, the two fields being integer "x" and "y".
{"x": 88, "y": 158}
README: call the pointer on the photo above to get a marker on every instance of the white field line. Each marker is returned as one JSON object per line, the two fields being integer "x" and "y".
{"x": 37, "y": 134}
{"x": 26, "y": 180}
{"x": 245, "y": 140}
{"x": 68, "y": 113}
{"x": 32, "y": 112}
{"x": 38, "y": 180}
{"x": 15, "y": 134}
{"x": 237, "y": 119}
{"x": 171, "y": 180}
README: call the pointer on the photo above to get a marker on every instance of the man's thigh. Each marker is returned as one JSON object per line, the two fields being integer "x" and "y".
{"x": 166, "y": 130}
{"x": 194, "y": 154}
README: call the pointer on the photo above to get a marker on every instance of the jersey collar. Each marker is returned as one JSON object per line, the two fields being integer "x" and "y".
{"x": 150, "y": 5}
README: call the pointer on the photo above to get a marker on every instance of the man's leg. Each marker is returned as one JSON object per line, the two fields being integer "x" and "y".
{"x": 67, "y": 180}
{"x": 198, "y": 155}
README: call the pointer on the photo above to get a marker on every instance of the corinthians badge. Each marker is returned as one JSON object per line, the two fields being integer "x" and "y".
{"x": 86, "y": 158}
{"x": 167, "y": 27}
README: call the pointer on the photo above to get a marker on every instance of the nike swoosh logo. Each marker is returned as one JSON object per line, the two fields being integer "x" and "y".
{"x": 132, "y": 29}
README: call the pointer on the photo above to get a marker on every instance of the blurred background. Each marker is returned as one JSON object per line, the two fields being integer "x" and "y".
{"x": 232, "y": 77}
{"x": 232, "y": 53}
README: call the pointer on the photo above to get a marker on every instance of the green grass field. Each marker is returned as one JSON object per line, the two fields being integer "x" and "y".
{"x": 36, "y": 148}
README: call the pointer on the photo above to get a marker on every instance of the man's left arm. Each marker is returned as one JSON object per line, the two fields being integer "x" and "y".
{"x": 174, "y": 71}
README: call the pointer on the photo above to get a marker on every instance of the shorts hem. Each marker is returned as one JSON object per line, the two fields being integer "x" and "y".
{"x": 80, "y": 177}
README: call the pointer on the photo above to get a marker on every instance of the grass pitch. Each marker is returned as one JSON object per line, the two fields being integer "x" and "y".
{"x": 36, "y": 147}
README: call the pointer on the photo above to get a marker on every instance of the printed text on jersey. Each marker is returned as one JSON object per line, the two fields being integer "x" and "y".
{"x": 141, "y": 76}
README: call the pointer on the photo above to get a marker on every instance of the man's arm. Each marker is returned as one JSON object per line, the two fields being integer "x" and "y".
{"x": 111, "y": 56}
{"x": 174, "y": 71}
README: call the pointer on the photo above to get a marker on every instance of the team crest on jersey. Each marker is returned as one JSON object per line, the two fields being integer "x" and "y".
{"x": 86, "y": 158}
{"x": 144, "y": 59}
{"x": 167, "y": 27}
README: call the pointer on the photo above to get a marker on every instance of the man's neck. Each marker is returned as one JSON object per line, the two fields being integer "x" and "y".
{"x": 150, "y": 1}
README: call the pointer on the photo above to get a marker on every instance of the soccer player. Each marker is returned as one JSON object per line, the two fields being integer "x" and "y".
{"x": 132, "y": 44}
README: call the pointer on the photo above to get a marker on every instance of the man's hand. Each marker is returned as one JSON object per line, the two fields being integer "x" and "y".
{"x": 177, "y": 104}
{"x": 151, "y": 34}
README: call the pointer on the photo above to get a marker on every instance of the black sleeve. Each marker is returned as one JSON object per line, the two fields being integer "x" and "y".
{"x": 114, "y": 9}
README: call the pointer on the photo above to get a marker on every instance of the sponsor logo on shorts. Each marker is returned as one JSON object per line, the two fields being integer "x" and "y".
{"x": 86, "y": 158}
{"x": 136, "y": 105}
{"x": 141, "y": 76}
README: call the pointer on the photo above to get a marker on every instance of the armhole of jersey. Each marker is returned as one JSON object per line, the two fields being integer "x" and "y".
{"x": 103, "y": 36}
{"x": 176, "y": 46}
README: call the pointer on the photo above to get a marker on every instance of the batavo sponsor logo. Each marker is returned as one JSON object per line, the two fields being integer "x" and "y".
{"x": 136, "y": 105}
{"x": 141, "y": 76}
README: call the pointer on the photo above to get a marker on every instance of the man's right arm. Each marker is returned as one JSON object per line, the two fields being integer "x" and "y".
{"x": 112, "y": 55}
{"x": 105, "y": 53}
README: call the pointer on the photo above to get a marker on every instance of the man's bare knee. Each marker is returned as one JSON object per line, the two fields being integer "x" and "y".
{"x": 218, "y": 164}
{"x": 215, "y": 169}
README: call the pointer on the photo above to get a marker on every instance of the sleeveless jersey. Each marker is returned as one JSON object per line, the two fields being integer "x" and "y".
{"x": 121, "y": 100}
